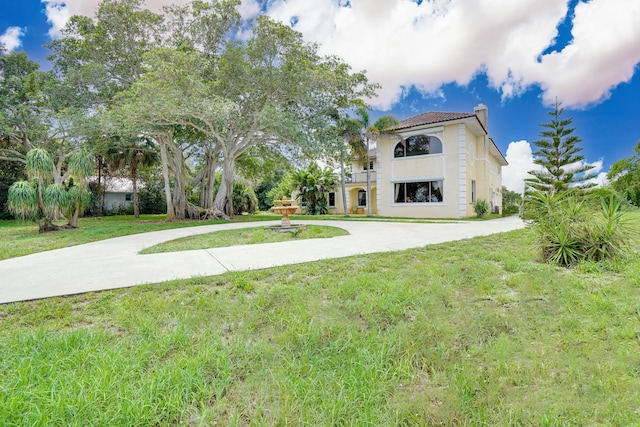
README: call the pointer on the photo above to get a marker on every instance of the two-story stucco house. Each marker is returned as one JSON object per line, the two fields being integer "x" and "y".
{"x": 433, "y": 165}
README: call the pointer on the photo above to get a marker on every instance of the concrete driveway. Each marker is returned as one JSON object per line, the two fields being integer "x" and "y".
{"x": 115, "y": 263}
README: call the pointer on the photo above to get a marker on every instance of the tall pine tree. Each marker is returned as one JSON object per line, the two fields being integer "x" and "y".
{"x": 562, "y": 166}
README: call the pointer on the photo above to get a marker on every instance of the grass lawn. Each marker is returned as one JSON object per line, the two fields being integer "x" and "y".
{"x": 245, "y": 236}
{"x": 474, "y": 332}
{"x": 22, "y": 238}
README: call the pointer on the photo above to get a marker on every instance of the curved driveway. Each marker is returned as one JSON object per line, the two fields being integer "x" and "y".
{"x": 115, "y": 263}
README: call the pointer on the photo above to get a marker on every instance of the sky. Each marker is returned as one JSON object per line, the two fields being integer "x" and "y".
{"x": 515, "y": 56}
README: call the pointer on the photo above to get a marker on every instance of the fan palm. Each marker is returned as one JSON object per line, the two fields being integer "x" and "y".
{"x": 132, "y": 155}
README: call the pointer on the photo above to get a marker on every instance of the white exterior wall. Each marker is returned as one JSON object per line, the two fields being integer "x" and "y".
{"x": 466, "y": 156}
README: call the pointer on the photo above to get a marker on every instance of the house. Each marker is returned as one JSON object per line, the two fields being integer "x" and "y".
{"x": 118, "y": 193}
{"x": 433, "y": 165}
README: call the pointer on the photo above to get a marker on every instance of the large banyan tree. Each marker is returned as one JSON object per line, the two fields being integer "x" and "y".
{"x": 205, "y": 85}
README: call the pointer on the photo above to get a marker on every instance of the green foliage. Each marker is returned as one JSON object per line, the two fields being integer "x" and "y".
{"x": 571, "y": 231}
{"x": 23, "y": 199}
{"x": 557, "y": 153}
{"x": 81, "y": 165}
{"x": 511, "y": 201}
{"x": 481, "y": 207}
{"x": 39, "y": 165}
{"x": 284, "y": 188}
{"x": 244, "y": 200}
{"x": 152, "y": 201}
{"x": 10, "y": 172}
{"x": 56, "y": 199}
{"x": 313, "y": 185}
{"x": 272, "y": 174}
{"x": 39, "y": 199}
{"x": 625, "y": 176}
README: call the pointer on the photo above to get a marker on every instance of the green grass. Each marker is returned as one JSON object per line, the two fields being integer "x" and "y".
{"x": 474, "y": 332}
{"x": 245, "y": 236}
{"x": 22, "y": 238}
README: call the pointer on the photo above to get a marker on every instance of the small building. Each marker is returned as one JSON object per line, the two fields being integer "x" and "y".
{"x": 433, "y": 165}
{"x": 118, "y": 193}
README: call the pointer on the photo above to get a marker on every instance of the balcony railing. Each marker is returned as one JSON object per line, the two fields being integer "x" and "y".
{"x": 362, "y": 177}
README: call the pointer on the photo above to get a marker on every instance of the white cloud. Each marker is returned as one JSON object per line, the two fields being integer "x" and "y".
{"x": 520, "y": 158}
{"x": 249, "y": 9}
{"x": 402, "y": 43}
{"x": 60, "y": 11}
{"x": 604, "y": 53}
{"x": 57, "y": 16}
{"x": 600, "y": 178}
{"x": 11, "y": 38}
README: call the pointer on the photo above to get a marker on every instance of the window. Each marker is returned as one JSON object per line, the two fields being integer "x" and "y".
{"x": 332, "y": 199}
{"x": 418, "y": 192}
{"x": 128, "y": 197}
{"x": 418, "y": 145}
{"x": 364, "y": 165}
{"x": 362, "y": 198}
{"x": 473, "y": 191}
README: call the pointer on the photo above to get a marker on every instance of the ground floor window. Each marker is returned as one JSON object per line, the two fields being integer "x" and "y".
{"x": 418, "y": 192}
{"x": 362, "y": 198}
{"x": 332, "y": 199}
{"x": 473, "y": 191}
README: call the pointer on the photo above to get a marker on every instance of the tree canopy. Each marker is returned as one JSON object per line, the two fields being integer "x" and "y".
{"x": 199, "y": 85}
{"x": 625, "y": 176}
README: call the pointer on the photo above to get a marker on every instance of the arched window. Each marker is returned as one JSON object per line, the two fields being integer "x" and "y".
{"x": 418, "y": 145}
{"x": 399, "y": 150}
{"x": 362, "y": 198}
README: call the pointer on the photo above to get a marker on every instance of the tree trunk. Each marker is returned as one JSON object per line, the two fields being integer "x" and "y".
{"x": 47, "y": 221}
{"x": 344, "y": 186}
{"x": 224, "y": 198}
{"x": 171, "y": 214}
{"x": 100, "y": 188}
{"x": 180, "y": 186}
{"x": 134, "y": 183}
{"x": 73, "y": 221}
{"x": 369, "y": 211}
{"x": 208, "y": 182}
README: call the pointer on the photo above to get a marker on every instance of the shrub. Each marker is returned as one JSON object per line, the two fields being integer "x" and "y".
{"x": 511, "y": 202}
{"x": 571, "y": 230}
{"x": 481, "y": 208}
{"x": 244, "y": 200}
{"x": 152, "y": 201}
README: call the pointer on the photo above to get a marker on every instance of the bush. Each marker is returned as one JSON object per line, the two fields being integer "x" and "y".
{"x": 152, "y": 201}
{"x": 571, "y": 230}
{"x": 511, "y": 202}
{"x": 244, "y": 200}
{"x": 481, "y": 208}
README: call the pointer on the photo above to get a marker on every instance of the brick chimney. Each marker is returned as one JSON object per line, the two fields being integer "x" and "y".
{"x": 482, "y": 112}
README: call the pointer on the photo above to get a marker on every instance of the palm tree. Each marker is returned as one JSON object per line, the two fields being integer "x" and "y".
{"x": 369, "y": 132}
{"x": 80, "y": 166}
{"x": 40, "y": 199}
{"x": 312, "y": 185}
{"x": 131, "y": 155}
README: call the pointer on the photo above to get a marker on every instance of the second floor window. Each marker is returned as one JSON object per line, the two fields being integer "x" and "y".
{"x": 418, "y": 145}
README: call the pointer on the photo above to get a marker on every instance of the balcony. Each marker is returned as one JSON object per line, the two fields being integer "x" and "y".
{"x": 360, "y": 177}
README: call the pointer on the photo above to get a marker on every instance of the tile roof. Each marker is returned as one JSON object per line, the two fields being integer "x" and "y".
{"x": 431, "y": 117}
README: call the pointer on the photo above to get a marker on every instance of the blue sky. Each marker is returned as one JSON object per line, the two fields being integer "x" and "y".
{"x": 450, "y": 55}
